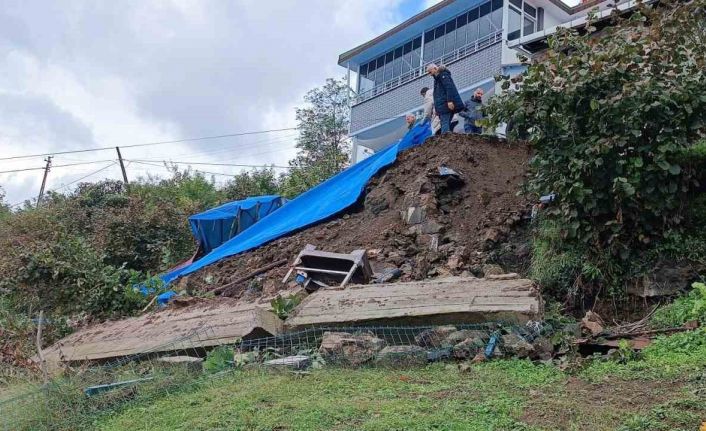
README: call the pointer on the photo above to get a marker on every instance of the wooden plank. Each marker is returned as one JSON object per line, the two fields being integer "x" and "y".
{"x": 205, "y": 324}
{"x": 455, "y": 299}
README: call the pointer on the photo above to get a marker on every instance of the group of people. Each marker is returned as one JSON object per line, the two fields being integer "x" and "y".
{"x": 443, "y": 105}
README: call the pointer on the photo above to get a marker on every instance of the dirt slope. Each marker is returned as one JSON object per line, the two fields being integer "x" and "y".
{"x": 464, "y": 227}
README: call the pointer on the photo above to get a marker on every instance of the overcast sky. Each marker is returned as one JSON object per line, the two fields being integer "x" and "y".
{"x": 82, "y": 74}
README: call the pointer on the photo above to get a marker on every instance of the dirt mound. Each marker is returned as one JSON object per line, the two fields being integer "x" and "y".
{"x": 413, "y": 218}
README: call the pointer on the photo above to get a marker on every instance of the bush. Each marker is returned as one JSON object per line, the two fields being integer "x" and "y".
{"x": 682, "y": 310}
{"x": 610, "y": 120}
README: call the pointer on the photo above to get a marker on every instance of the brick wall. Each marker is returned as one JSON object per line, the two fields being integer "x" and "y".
{"x": 467, "y": 71}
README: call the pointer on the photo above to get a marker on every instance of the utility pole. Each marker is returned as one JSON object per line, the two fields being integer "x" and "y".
{"x": 44, "y": 180}
{"x": 122, "y": 167}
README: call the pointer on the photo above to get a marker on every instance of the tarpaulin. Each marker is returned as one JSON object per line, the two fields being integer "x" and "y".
{"x": 321, "y": 202}
{"x": 214, "y": 227}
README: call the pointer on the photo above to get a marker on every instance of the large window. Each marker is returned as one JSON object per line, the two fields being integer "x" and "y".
{"x": 390, "y": 65}
{"x": 523, "y": 19}
{"x": 466, "y": 28}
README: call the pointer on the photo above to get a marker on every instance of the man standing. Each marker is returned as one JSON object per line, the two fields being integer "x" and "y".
{"x": 447, "y": 101}
{"x": 473, "y": 113}
{"x": 429, "y": 114}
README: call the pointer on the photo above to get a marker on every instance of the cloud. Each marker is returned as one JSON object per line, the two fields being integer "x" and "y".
{"x": 79, "y": 74}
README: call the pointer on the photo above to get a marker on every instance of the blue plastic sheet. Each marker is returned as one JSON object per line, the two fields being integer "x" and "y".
{"x": 321, "y": 202}
{"x": 214, "y": 227}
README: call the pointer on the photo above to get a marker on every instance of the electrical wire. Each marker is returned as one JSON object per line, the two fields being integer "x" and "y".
{"x": 57, "y": 166}
{"x": 213, "y": 164}
{"x": 176, "y": 141}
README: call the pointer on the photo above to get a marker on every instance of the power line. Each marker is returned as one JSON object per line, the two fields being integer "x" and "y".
{"x": 55, "y": 166}
{"x": 213, "y": 164}
{"x": 203, "y": 138}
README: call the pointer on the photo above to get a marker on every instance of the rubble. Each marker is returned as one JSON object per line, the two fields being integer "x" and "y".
{"x": 434, "y": 337}
{"x": 401, "y": 356}
{"x": 516, "y": 346}
{"x": 350, "y": 349}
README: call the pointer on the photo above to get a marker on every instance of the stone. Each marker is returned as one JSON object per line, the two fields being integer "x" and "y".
{"x": 592, "y": 324}
{"x": 454, "y": 262}
{"x": 414, "y": 215}
{"x": 492, "y": 235}
{"x": 543, "y": 349}
{"x": 492, "y": 269}
{"x": 458, "y": 336}
{"x": 297, "y": 362}
{"x": 431, "y": 226}
{"x": 401, "y": 356}
{"x": 468, "y": 348}
{"x": 664, "y": 280}
{"x": 509, "y": 276}
{"x": 516, "y": 346}
{"x": 188, "y": 363}
{"x": 434, "y": 337}
{"x": 351, "y": 349}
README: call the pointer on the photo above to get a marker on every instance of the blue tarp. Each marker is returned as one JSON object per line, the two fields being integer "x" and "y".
{"x": 328, "y": 198}
{"x": 214, "y": 227}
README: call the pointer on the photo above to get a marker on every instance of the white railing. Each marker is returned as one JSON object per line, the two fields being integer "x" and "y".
{"x": 464, "y": 51}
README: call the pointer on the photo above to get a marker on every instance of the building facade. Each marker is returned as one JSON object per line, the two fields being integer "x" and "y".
{"x": 476, "y": 39}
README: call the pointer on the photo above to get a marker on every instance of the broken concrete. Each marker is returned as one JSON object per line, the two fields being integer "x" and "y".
{"x": 350, "y": 349}
{"x": 206, "y": 324}
{"x": 401, "y": 356}
{"x": 296, "y": 362}
{"x": 438, "y": 301}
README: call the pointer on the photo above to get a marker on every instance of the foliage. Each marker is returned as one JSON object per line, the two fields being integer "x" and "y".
{"x": 4, "y": 208}
{"x": 258, "y": 182}
{"x": 322, "y": 142}
{"x": 610, "y": 119}
{"x": 218, "y": 359}
{"x": 283, "y": 306}
{"x": 683, "y": 309}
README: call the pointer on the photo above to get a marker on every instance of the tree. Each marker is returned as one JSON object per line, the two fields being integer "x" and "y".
{"x": 4, "y": 208}
{"x": 610, "y": 117}
{"x": 255, "y": 183}
{"x": 323, "y": 142}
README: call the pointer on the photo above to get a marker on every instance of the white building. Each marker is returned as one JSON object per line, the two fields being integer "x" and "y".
{"x": 476, "y": 39}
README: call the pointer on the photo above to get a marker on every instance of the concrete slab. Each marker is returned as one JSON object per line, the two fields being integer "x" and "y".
{"x": 204, "y": 324}
{"x": 436, "y": 301}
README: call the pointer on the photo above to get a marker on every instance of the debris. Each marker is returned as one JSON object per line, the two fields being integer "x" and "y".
{"x": 387, "y": 275}
{"x": 547, "y": 199}
{"x": 326, "y": 267}
{"x": 543, "y": 349}
{"x": 516, "y": 346}
{"x": 434, "y": 337}
{"x": 255, "y": 273}
{"x": 492, "y": 269}
{"x": 510, "y": 276}
{"x": 190, "y": 363}
{"x": 401, "y": 356}
{"x": 468, "y": 348}
{"x": 297, "y": 362}
{"x": 592, "y": 323}
{"x": 350, "y": 349}
{"x": 456, "y": 337}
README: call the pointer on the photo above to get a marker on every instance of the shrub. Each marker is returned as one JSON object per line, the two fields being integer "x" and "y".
{"x": 684, "y": 309}
{"x": 610, "y": 120}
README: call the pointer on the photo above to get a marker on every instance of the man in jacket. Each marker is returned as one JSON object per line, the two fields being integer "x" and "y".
{"x": 473, "y": 113}
{"x": 447, "y": 101}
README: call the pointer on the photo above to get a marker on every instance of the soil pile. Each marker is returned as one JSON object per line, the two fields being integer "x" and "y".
{"x": 425, "y": 221}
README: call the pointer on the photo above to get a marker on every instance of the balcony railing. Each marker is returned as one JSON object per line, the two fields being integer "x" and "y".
{"x": 413, "y": 74}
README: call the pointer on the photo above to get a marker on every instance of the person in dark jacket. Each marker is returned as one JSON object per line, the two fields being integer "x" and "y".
{"x": 473, "y": 113}
{"x": 447, "y": 101}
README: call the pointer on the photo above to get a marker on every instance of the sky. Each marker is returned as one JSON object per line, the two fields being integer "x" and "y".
{"x": 83, "y": 74}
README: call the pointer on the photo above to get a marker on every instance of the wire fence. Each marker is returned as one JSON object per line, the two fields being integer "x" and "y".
{"x": 86, "y": 390}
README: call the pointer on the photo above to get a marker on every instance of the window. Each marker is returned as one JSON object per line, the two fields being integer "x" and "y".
{"x": 514, "y": 24}
{"x": 450, "y": 37}
{"x": 496, "y": 16}
{"x": 484, "y": 27}
{"x": 472, "y": 27}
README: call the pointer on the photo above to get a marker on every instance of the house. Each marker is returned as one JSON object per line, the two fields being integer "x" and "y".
{"x": 476, "y": 39}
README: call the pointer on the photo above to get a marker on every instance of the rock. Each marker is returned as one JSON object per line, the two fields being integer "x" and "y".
{"x": 510, "y": 276}
{"x": 516, "y": 346}
{"x": 401, "y": 356}
{"x": 414, "y": 215}
{"x": 458, "y": 336}
{"x": 543, "y": 349}
{"x": 480, "y": 357}
{"x": 492, "y": 235}
{"x": 592, "y": 324}
{"x": 431, "y": 226}
{"x": 454, "y": 262}
{"x": 376, "y": 204}
{"x": 434, "y": 337}
{"x": 351, "y": 349}
{"x": 468, "y": 348}
{"x": 492, "y": 269}
{"x": 297, "y": 362}
{"x": 665, "y": 280}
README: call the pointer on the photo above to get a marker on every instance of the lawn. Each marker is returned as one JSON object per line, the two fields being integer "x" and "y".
{"x": 663, "y": 391}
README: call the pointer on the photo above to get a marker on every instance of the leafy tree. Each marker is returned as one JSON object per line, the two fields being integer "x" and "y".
{"x": 323, "y": 143}
{"x": 255, "y": 183}
{"x": 4, "y": 208}
{"x": 610, "y": 117}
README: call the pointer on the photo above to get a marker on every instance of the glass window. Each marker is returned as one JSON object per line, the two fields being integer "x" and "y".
{"x": 531, "y": 11}
{"x": 428, "y": 45}
{"x": 497, "y": 4}
{"x": 496, "y": 19}
{"x": 450, "y": 37}
{"x": 527, "y": 26}
{"x": 472, "y": 26}
{"x": 363, "y": 70}
{"x": 517, "y": 3}
{"x": 514, "y": 18}
{"x": 416, "y": 43}
{"x": 484, "y": 9}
